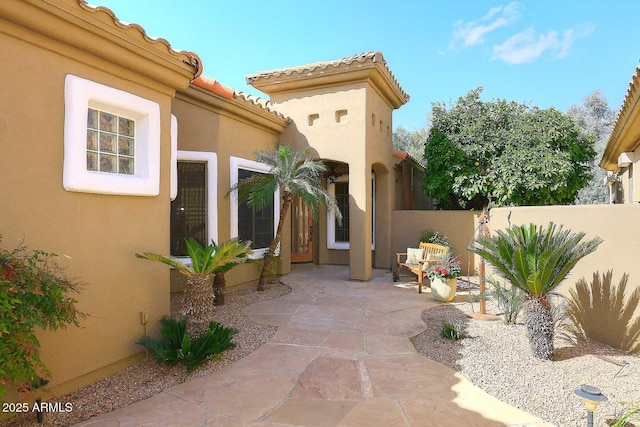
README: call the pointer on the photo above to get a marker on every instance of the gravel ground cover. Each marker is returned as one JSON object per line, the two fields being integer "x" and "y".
{"x": 498, "y": 359}
{"x": 146, "y": 378}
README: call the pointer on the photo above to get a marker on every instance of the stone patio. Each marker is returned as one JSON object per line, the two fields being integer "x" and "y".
{"x": 342, "y": 357}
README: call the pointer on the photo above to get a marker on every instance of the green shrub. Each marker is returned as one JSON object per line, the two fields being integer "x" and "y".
{"x": 177, "y": 347}
{"x": 433, "y": 236}
{"x": 453, "y": 330}
{"x": 509, "y": 299}
{"x": 33, "y": 293}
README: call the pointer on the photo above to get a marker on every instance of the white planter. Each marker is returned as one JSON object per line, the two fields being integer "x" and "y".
{"x": 443, "y": 290}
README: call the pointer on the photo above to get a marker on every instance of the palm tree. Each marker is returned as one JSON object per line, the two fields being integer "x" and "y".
{"x": 536, "y": 260}
{"x": 297, "y": 176}
{"x": 197, "y": 302}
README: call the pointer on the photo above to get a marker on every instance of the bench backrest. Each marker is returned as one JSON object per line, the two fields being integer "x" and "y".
{"x": 436, "y": 251}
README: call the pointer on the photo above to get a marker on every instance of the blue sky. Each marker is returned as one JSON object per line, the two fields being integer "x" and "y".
{"x": 543, "y": 52}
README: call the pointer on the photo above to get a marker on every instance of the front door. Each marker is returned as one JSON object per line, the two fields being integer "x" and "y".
{"x": 301, "y": 232}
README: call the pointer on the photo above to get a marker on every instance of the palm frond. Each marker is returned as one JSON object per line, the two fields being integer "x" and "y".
{"x": 535, "y": 259}
{"x": 171, "y": 262}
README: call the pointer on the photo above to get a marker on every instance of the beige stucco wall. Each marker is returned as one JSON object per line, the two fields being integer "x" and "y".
{"x": 615, "y": 224}
{"x": 207, "y": 122}
{"x": 351, "y": 123}
{"x": 95, "y": 235}
{"x": 458, "y": 226}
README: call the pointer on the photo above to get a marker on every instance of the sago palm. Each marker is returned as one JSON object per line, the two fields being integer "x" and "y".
{"x": 535, "y": 259}
{"x": 295, "y": 175}
{"x": 197, "y": 302}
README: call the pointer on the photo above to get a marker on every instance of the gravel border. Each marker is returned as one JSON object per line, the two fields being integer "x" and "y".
{"x": 146, "y": 378}
{"x": 498, "y": 359}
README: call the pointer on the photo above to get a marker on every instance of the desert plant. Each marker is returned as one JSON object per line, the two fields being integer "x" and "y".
{"x": 535, "y": 259}
{"x": 434, "y": 236}
{"x": 453, "y": 330}
{"x": 177, "y": 347}
{"x": 631, "y": 413}
{"x": 508, "y": 298}
{"x": 197, "y": 302}
{"x": 297, "y": 176}
{"x": 34, "y": 293}
{"x": 600, "y": 311}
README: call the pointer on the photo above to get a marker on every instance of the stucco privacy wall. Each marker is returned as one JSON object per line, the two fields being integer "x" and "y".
{"x": 615, "y": 224}
{"x": 95, "y": 235}
{"x": 458, "y": 226}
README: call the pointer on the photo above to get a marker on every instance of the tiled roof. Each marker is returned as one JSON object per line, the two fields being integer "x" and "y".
{"x": 628, "y": 106}
{"x": 403, "y": 155}
{"x": 214, "y": 86}
{"x": 107, "y": 15}
{"x": 318, "y": 67}
{"x": 260, "y": 102}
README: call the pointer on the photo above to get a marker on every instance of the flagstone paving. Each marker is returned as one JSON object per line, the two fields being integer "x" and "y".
{"x": 341, "y": 357}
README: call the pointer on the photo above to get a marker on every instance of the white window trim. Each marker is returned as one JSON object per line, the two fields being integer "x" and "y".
{"x": 173, "y": 178}
{"x": 211, "y": 160}
{"x": 82, "y": 94}
{"x": 251, "y": 165}
{"x": 331, "y": 218}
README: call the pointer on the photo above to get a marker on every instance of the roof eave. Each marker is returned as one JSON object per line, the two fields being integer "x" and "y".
{"x": 97, "y": 32}
{"x": 374, "y": 72}
{"x": 626, "y": 131}
{"x": 237, "y": 107}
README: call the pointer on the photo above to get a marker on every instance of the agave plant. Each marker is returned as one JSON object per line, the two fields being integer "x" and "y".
{"x": 197, "y": 302}
{"x": 535, "y": 259}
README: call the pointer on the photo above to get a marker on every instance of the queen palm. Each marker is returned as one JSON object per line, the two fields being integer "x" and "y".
{"x": 535, "y": 259}
{"x": 295, "y": 175}
{"x": 197, "y": 301}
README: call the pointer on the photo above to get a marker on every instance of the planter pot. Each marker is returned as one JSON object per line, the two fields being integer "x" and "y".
{"x": 443, "y": 289}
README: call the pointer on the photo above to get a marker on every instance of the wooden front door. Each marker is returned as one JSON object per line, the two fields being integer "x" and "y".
{"x": 301, "y": 232}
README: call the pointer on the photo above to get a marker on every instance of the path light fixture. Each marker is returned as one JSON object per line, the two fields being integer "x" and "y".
{"x": 591, "y": 396}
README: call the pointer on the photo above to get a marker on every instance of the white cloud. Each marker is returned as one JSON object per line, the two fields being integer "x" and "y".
{"x": 527, "y": 46}
{"x": 467, "y": 34}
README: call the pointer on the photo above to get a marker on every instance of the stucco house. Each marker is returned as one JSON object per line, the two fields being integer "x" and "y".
{"x": 622, "y": 154}
{"x": 112, "y": 143}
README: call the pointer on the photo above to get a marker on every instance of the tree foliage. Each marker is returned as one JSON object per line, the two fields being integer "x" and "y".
{"x": 411, "y": 142}
{"x": 594, "y": 118}
{"x": 521, "y": 155}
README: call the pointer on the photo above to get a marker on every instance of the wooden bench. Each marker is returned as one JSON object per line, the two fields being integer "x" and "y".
{"x": 430, "y": 254}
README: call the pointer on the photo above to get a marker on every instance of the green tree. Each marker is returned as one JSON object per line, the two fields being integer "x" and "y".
{"x": 521, "y": 155}
{"x": 411, "y": 142}
{"x": 535, "y": 259}
{"x": 197, "y": 303}
{"x": 297, "y": 176}
{"x": 594, "y": 118}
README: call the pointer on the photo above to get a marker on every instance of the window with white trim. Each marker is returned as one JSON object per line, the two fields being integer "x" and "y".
{"x": 110, "y": 143}
{"x": 258, "y": 226}
{"x": 338, "y": 234}
{"x": 194, "y": 211}
{"x": 111, "y": 140}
